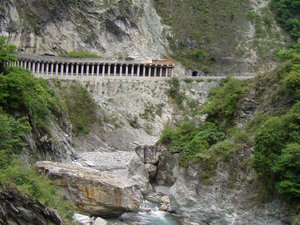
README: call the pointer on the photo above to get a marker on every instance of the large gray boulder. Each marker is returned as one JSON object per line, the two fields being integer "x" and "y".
{"x": 95, "y": 193}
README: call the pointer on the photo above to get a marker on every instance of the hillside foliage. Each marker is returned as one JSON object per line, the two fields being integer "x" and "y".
{"x": 288, "y": 16}
{"x": 274, "y": 133}
{"x": 27, "y": 104}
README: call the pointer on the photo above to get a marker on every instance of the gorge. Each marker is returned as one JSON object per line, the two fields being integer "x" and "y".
{"x": 127, "y": 112}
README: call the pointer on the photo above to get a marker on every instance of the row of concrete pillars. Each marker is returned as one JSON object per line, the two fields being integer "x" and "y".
{"x": 88, "y": 69}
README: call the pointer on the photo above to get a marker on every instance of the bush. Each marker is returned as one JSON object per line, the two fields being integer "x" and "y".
{"x": 223, "y": 101}
{"x": 276, "y": 157}
{"x": 191, "y": 141}
{"x": 25, "y": 95}
{"x": 175, "y": 93}
{"x": 287, "y": 14}
{"x": 287, "y": 168}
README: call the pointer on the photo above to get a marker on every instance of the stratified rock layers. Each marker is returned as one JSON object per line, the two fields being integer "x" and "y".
{"x": 94, "y": 192}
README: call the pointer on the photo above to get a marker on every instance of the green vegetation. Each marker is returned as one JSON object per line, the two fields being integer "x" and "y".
{"x": 26, "y": 105}
{"x": 81, "y": 108}
{"x": 175, "y": 93}
{"x": 287, "y": 14}
{"x": 274, "y": 132}
{"x": 5, "y": 54}
{"x": 277, "y": 153}
{"x": 223, "y": 101}
{"x": 80, "y": 54}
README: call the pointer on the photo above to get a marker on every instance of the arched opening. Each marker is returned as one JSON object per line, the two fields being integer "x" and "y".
{"x": 194, "y": 73}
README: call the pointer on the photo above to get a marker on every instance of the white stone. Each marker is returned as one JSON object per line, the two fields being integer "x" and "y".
{"x": 100, "y": 221}
{"x": 81, "y": 219}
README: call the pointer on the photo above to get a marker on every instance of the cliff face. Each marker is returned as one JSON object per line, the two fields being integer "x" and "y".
{"x": 222, "y": 38}
{"x": 129, "y": 28}
{"x": 19, "y": 208}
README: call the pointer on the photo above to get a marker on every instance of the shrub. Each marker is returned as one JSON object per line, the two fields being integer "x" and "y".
{"x": 223, "y": 101}
{"x": 287, "y": 168}
{"x": 276, "y": 157}
{"x": 21, "y": 92}
{"x": 174, "y": 91}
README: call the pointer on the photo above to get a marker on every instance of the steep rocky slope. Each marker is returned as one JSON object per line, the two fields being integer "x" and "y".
{"x": 118, "y": 29}
{"x": 207, "y": 37}
{"x": 218, "y": 37}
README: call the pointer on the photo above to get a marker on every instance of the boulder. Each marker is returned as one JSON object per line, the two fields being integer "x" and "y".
{"x": 165, "y": 199}
{"x": 163, "y": 207}
{"x": 100, "y": 221}
{"x": 81, "y": 219}
{"x": 95, "y": 193}
{"x": 152, "y": 170}
{"x": 138, "y": 173}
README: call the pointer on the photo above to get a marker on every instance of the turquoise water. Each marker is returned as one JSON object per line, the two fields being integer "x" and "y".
{"x": 156, "y": 217}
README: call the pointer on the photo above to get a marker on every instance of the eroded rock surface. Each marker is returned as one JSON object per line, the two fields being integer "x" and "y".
{"x": 122, "y": 29}
{"x": 96, "y": 193}
{"x": 18, "y": 208}
{"x": 229, "y": 197}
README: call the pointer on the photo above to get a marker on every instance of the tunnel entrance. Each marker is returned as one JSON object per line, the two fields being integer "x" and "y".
{"x": 194, "y": 73}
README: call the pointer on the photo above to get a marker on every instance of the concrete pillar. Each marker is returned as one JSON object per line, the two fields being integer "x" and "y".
{"x": 98, "y": 70}
{"x": 56, "y": 69}
{"x": 72, "y": 69}
{"x": 42, "y": 68}
{"x": 115, "y": 70}
{"x": 126, "y": 70}
{"x": 155, "y": 71}
{"x": 138, "y": 70}
{"x": 172, "y": 71}
{"x": 67, "y": 69}
{"x": 144, "y": 71}
{"x": 93, "y": 67}
{"x": 33, "y": 68}
{"x": 47, "y": 68}
{"x": 121, "y": 70}
{"x": 103, "y": 70}
{"x": 108, "y": 72}
{"x": 52, "y": 69}
{"x": 29, "y": 66}
{"x": 77, "y": 69}
{"x": 82, "y": 70}
{"x": 38, "y": 68}
{"x": 150, "y": 71}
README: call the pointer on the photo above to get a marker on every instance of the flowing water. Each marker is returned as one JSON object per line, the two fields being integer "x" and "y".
{"x": 156, "y": 217}
{"x": 151, "y": 215}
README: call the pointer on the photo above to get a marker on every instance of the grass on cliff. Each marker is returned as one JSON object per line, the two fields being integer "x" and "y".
{"x": 81, "y": 107}
{"x": 80, "y": 54}
{"x": 205, "y": 34}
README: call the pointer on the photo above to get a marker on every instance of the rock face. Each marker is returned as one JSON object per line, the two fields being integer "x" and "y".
{"x": 229, "y": 198}
{"x": 119, "y": 29}
{"x": 96, "y": 193}
{"x": 17, "y": 208}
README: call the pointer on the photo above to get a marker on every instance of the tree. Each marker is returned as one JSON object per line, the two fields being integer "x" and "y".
{"x": 6, "y": 51}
